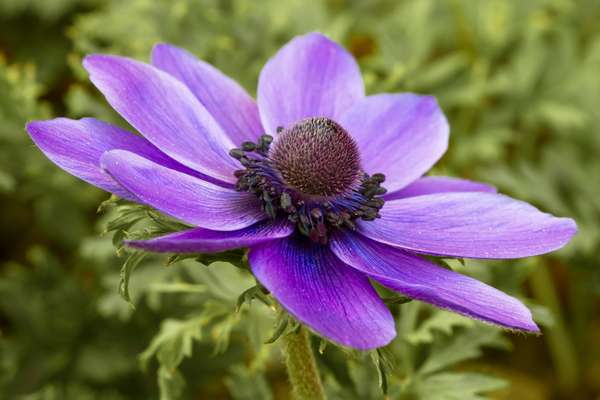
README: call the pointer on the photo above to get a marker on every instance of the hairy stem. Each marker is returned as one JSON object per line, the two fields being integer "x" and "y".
{"x": 301, "y": 366}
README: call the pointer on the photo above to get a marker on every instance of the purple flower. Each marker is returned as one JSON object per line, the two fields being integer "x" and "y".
{"x": 298, "y": 177}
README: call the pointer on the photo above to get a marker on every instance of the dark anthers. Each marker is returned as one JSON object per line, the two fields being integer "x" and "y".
{"x": 314, "y": 217}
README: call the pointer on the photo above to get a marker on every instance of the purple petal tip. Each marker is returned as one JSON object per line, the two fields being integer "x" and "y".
{"x": 34, "y": 127}
{"x": 160, "y": 47}
{"x": 89, "y": 59}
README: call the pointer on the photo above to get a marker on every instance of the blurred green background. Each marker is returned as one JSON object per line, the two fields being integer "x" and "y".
{"x": 520, "y": 83}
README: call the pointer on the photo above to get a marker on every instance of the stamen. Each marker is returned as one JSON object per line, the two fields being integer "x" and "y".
{"x": 314, "y": 217}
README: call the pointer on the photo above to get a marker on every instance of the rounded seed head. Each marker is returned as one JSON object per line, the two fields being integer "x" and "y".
{"x": 316, "y": 156}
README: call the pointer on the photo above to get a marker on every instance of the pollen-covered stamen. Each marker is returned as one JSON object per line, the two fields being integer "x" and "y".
{"x": 315, "y": 213}
{"x": 317, "y": 157}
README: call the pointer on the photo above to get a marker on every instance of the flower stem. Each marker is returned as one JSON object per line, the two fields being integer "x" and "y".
{"x": 301, "y": 366}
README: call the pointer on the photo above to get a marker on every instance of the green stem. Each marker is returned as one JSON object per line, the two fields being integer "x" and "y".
{"x": 301, "y": 366}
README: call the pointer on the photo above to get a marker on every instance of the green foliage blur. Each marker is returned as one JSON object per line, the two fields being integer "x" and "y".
{"x": 520, "y": 83}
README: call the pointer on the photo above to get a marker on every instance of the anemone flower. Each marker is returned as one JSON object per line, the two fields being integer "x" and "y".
{"x": 322, "y": 184}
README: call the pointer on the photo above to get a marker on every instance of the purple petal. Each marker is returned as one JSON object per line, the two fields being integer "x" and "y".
{"x": 439, "y": 184}
{"x": 199, "y": 240}
{"x": 165, "y": 111}
{"x": 422, "y": 280}
{"x": 184, "y": 197}
{"x": 313, "y": 285}
{"x": 311, "y": 76}
{"x": 400, "y": 135}
{"x": 470, "y": 225}
{"x": 227, "y": 101}
{"x": 77, "y": 145}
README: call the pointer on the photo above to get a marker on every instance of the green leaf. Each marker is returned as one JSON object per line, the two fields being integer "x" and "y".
{"x": 463, "y": 346}
{"x": 255, "y": 292}
{"x": 171, "y": 383}
{"x": 382, "y": 370}
{"x": 458, "y": 386}
{"x": 132, "y": 261}
{"x": 174, "y": 341}
{"x": 441, "y": 321}
{"x": 398, "y": 299}
{"x": 222, "y": 330}
{"x": 233, "y": 257}
{"x": 246, "y": 385}
{"x": 177, "y": 287}
{"x": 280, "y": 327}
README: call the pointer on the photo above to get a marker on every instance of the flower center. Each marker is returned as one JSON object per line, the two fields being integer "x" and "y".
{"x": 311, "y": 176}
{"x": 317, "y": 157}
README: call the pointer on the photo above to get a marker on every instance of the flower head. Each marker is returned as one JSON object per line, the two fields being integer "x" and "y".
{"x": 313, "y": 176}
{"x": 323, "y": 184}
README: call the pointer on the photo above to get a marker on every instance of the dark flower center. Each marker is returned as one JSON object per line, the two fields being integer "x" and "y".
{"x": 317, "y": 157}
{"x": 311, "y": 176}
